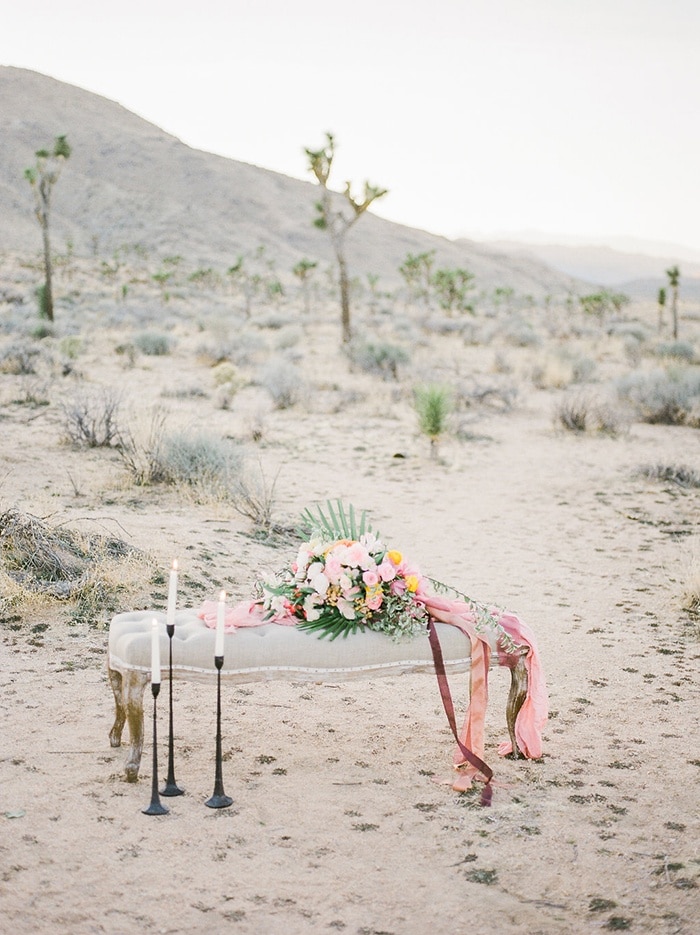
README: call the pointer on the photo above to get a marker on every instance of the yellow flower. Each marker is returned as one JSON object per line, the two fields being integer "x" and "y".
{"x": 394, "y": 556}
{"x": 412, "y": 583}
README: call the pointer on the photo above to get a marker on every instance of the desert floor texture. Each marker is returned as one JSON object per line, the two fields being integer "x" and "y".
{"x": 340, "y": 822}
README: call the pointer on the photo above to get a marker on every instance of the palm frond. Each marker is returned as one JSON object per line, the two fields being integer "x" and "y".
{"x": 339, "y": 523}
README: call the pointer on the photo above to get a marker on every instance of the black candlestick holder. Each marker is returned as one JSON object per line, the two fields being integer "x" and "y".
{"x": 155, "y": 808}
{"x": 219, "y": 799}
{"x": 171, "y": 787}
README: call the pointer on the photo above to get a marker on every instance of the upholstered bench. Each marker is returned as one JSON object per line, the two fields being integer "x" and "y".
{"x": 272, "y": 651}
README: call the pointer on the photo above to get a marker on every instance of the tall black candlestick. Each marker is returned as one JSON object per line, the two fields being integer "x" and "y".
{"x": 171, "y": 787}
{"x": 155, "y": 808}
{"x": 219, "y": 799}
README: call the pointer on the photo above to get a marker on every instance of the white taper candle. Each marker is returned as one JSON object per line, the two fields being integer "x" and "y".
{"x": 172, "y": 595}
{"x": 155, "y": 652}
{"x": 220, "y": 619}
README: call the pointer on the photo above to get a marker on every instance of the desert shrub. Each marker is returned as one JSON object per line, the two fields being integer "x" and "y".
{"x": 581, "y": 413}
{"x": 253, "y": 497}
{"x": 676, "y": 350}
{"x": 19, "y": 357}
{"x": 677, "y": 474}
{"x": 433, "y": 404}
{"x": 70, "y": 346}
{"x": 140, "y": 449}
{"x": 442, "y": 325}
{"x": 557, "y": 371}
{"x": 225, "y": 372}
{"x": 91, "y": 419}
{"x": 43, "y": 330}
{"x": 629, "y": 331}
{"x": 283, "y": 381}
{"x": 43, "y": 562}
{"x": 184, "y": 392}
{"x": 520, "y": 333}
{"x": 34, "y": 390}
{"x": 501, "y": 363}
{"x": 228, "y": 381}
{"x": 381, "y": 359}
{"x": 128, "y": 351}
{"x": 273, "y": 320}
{"x": 153, "y": 343}
{"x": 288, "y": 338}
{"x": 664, "y": 397}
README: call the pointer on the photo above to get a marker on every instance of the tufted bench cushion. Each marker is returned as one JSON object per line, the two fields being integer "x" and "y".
{"x": 272, "y": 651}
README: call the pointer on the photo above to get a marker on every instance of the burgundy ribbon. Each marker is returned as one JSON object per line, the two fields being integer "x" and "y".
{"x": 468, "y": 754}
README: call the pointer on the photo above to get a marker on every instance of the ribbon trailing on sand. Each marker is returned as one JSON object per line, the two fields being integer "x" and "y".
{"x": 468, "y": 758}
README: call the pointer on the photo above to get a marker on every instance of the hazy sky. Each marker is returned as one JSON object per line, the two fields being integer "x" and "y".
{"x": 578, "y": 117}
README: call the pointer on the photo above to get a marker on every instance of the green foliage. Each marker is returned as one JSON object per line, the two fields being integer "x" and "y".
{"x": 433, "y": 404}
{"x": 338, "y": 522}
{"x": 602, "y": 304}
{"x": 380, "y": 358}
{"x": 678, "y": 350}
{"x": 42, "y": 299}
{"x": 416, "y": 270}
{"x": 452, "y": 287}
{"x": 153, "y": 343}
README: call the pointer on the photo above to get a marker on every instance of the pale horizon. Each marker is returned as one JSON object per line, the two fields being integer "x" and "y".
{"x": 487, "y": 119}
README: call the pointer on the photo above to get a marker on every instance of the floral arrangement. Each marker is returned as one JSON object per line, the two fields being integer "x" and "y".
{"x": 345, "y": 578}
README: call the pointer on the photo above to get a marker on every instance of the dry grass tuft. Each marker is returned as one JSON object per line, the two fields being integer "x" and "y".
{"x": 41, "y": 563}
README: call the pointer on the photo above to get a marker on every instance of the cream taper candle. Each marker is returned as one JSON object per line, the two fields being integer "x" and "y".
{"x": 220, "y": 619}
{"x": 172, "y": 595}
{"x": 155, "y": 652}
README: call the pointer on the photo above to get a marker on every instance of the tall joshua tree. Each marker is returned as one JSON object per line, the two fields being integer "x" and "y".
{"x": 674, "y": 275}
{"x": 42, "y": 176}
{"x": 332, "y": 218}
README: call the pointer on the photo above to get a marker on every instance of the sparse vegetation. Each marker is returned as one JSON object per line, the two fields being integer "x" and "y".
{"x": 433, "y": 404}
{"x": 91, "y": 419}
{"x": 153, "y": 343}
{"x": 669, "y": 397}
{"x": 283, "y": 381}
{"x": 381, "y": 359}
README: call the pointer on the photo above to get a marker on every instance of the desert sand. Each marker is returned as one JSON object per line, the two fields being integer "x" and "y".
{"x": 340, "y": 820}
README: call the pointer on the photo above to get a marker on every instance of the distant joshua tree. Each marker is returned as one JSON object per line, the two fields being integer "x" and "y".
{"x": 42, "y": 177}
{"x": 674, "y": 275}
{"x": 332, "y": 219}
{"x": 661, "y": 300}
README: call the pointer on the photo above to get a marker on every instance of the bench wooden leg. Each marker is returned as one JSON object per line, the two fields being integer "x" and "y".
{"x": 516, "y": 699}
{"x": 128, "y": 689}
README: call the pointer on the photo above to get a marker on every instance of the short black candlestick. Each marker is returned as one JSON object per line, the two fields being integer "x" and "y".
{"x": 155, "y": 808}
{"x": 219, "y": 799}
{"x": 171, "y": 787}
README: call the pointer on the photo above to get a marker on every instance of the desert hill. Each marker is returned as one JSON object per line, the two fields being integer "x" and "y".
{"x": 638, "y": 274}
{"x": 128, "y": 182}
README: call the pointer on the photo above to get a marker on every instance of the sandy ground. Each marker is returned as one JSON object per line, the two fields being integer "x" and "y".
{"x": 338, "y": 823}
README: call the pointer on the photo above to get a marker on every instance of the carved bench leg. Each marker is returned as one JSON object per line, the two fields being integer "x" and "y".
{"x": 115, "y": 680}
{"x": 133, "y": 686}
{"x": 516, "y": 698}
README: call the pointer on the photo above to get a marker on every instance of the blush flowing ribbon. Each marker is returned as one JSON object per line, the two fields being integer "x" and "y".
{"x": 479, "y": 768}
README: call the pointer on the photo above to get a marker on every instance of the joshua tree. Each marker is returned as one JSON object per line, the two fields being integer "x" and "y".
{"x": 416, "y": 271}
{"x": 42, "y": 177}
{"x": 674, "y": 275}
{"x": 303, "y": 270}
{"x": 337, "y": 222}
{"x": 661, "y": 300}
